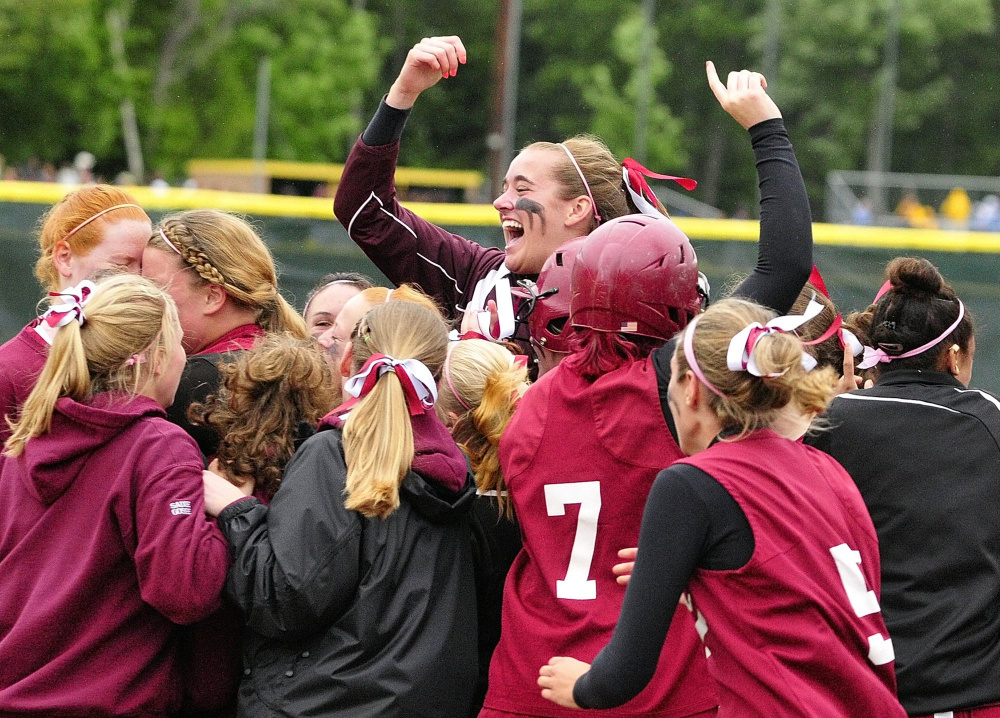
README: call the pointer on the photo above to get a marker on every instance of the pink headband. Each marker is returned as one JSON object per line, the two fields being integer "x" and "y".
{"x": 586, "y": 186}
{"x": 85, "y": 222}
{"x": 170, "y": 244}
{"x": 447, "y": 376}
{"x": 693, "y": 362}
{"x": 875, "y": 356}
{"x": 417, "y": 381}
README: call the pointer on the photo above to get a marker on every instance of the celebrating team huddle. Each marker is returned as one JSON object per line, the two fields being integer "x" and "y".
{"x": 522, "y": 482}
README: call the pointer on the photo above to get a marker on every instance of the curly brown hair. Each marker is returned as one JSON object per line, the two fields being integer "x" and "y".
{"x": 265, "y": 396}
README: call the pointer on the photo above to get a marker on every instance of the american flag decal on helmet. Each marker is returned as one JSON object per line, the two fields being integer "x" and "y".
{"x": 630, "y": 326}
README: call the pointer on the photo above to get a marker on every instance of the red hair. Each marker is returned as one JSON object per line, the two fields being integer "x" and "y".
{"x": 70, "y": 212}
{"x": 597, "y": 353}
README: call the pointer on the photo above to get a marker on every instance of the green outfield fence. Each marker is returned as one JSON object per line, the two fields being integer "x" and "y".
{"x": 308, "y": 242}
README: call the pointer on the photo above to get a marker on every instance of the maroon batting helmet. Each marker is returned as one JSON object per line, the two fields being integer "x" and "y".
{"x": 636, "y": 274}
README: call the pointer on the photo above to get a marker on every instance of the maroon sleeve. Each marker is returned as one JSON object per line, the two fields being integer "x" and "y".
{"x": 403, "y": 246}
{"x": 181, "y": 557}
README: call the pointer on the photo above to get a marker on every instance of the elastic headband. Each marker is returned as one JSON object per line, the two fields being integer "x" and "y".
{"x": 875, "y": 356}
{"x": 305, "y": 309}
{"x": 586, "y": 186}
{"x": 85, "y": 222}
{"x": 163, "y": 236}
{"x": 693, "y": 361}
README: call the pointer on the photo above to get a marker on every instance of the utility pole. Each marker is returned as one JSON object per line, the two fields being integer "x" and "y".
{"x": 880, "y": 144}
{"x": 506, "y": 60}
{"x": 644, "y": 79}
{"x": 117, "y": 23}
{"x": 772, "y": 44}
{"x": 261, "y": 116}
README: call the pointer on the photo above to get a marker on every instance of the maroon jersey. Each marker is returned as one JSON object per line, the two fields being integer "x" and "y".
{"x": 808, "y": 639}
{"x": 579, "y": 460}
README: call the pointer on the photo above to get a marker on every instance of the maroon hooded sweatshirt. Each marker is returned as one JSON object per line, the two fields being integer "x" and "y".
{"x": 21, "y": 361}
{"x": 104, "y": 547}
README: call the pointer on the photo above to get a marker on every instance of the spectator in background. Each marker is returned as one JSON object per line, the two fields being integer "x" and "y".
{"x": 862, "y": 212}
{"x": 918, "y": 216}
{"x": 956, "y": 208}
{"x": 986, "y": 217}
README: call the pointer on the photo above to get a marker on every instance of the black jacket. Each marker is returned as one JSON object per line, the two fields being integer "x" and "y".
{"x": 356, "y": 616}
{"x": 925, "y": 454}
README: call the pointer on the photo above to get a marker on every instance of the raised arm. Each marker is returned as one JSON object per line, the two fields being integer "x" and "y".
{"x": 784, "y": 257}
{"x": 403, "y": 246}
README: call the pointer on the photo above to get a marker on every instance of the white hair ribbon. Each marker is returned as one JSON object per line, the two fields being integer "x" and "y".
{"x": 740, "y": 355}
{"x": 418, "y": 383}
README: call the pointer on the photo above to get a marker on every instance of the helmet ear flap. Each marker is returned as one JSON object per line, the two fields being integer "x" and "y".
{"x": 550, "y": 316}
{"x": 637, "y": 274}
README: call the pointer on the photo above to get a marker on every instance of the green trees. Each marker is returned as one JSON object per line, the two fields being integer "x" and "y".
{"x": 190, "y": 67}
{"x": 190, "y": 70}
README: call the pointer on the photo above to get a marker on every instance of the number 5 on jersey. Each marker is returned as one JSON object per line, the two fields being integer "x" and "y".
{"x": 576, "y": 585}
{"x": 863, "y": 601}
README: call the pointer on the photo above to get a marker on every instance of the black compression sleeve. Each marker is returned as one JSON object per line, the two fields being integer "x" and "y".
{"x": 661, "y": 364}
{"x": 784, "y": 258}
{"x": 386, "y": 126}
{"x": 690, "y": 521}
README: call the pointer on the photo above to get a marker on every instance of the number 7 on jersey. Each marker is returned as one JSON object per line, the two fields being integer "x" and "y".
{"x": 576, "y": 585}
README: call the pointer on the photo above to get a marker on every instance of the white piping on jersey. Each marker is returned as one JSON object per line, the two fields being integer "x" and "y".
{"x": 992, "y": 399}
{"x": 405, "y": 226}
{"x": 900, "y": 401}
{"x": 491, "y": 492}
{"x": 453, "y": 280}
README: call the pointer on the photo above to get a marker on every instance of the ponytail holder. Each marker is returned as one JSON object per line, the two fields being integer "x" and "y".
{"x": 135, "y": 359}
{"x": 71, "y": 307}
{"x": 740, "y": 355}
{"x": 416, "y": 379}
{"x": 638, "y": 188}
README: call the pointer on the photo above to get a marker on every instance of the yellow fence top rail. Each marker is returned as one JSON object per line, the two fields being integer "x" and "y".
{"x": 485, "y": 215}
{"x": 318, "y": 172}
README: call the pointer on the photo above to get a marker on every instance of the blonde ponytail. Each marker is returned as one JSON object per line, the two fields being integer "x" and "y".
{"x": 127, "y": 318}
{"x": 378, "y": 436}
{"x": 481, "y": 387}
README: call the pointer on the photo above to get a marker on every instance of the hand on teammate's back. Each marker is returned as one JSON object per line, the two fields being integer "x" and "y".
{"x": 624, "y": 570}
{"x": 744, "y": 96}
